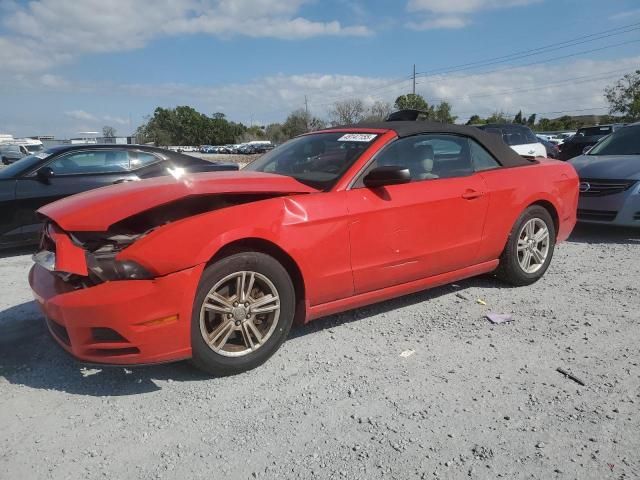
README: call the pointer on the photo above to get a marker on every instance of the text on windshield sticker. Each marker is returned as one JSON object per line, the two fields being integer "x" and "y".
{"x": 357, "y": 137}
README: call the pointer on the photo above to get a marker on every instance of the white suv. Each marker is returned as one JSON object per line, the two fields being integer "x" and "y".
{"x": 519, "y": 137}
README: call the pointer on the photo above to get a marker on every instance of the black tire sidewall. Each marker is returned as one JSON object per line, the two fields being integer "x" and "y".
{"x": 512, "y": 271}
{"x": 214, "y": 363}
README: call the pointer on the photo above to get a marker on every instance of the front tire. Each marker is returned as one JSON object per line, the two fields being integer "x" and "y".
{"x": 529, "y": 249}
{"x": 243, "y": 311}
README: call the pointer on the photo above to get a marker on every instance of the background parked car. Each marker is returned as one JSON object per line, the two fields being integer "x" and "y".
{"x": 552, "y": 149}
{"x": 519, "y": 137}
{"x": 12, "y": 153}
{"x": 610, "y": 179}
{"x": 585, "y": 137}
{"x": 58, "y": 172}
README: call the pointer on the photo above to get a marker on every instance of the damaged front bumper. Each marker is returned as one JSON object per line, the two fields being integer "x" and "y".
{"x": 122, "y": 322}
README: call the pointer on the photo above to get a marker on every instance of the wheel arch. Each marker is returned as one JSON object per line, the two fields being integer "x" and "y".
{"x": 267, "y": 247}
{"x": 553, "y": 211}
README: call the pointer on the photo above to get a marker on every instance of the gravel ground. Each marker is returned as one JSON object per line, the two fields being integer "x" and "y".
{"x": 340, "y": 401}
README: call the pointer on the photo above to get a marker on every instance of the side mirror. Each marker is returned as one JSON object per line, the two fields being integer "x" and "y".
{"x": 44, "y": 174}
{"x": 388, "y": 175}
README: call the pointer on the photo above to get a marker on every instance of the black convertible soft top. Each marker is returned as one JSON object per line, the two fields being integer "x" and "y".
{"x": 493, "y": 143}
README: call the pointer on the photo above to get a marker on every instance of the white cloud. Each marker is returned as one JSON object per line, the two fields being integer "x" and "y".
{"x": 85, "y": 116}
{"x": 53, "y": 81}
{"x": 116, "y": 120}
{"x": 626, "y": 15}
{"x": 448, "y": 21}
{"x": 535, "y": 89}
{"x": 541, "y": 89}
{"x": 81, "y": 115}
{"x": 43, "y": 33}
{"x": 454, "y": 13}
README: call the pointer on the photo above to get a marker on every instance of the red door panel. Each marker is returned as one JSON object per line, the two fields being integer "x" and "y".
{"x": 405, "y": 232}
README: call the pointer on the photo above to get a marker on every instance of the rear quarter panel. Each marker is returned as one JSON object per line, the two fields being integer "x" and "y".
{"x": 512, "y": 190}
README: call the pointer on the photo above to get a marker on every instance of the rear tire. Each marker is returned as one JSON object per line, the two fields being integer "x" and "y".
{"x": 243, "y": 311}
{"x": 529, "y": 249}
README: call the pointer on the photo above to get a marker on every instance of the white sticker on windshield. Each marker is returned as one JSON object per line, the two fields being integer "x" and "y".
{"x": 357, "y": 137}
{"x": 41, "y": 155}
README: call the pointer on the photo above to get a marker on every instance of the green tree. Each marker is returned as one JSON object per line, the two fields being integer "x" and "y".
{"x": 442, "y": 113}
{"x": 275, "y": 133}
{"x": 475, "y": 120}
{"x": 624, "y": 96}
{"x": 184, "y": 125}
{"x": 519, "y": 118}
{"x": 531, "y": 121}
{"x": 497, "y": 117}
{"x": 413, "y": 101}
{"x": 299, "y": 122}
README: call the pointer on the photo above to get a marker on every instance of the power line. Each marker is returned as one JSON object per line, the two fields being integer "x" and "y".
{"x": 535, "y": 51}
{"x": 514, "y": 56}
{"x": 574, "y": 80}
{"x": 548, "y": 60}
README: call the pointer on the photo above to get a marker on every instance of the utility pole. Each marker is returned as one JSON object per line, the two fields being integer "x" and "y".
{"x": 414, "y": 78}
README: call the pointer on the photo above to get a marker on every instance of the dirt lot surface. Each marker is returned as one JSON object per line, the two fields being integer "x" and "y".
{"x": 473, "y": 400}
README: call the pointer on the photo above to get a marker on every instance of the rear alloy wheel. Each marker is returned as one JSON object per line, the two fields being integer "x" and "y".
{"x": 243, "y": 312}
{"x": 533, "y": 245}
{"x": 529, "y": 249}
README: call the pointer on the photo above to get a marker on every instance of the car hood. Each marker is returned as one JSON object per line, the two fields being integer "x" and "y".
{"x": 612, "y": 167}
{"x": 96, "y": 210}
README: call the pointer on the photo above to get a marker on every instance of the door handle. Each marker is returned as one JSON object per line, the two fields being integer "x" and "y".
{"x": 123, "y": 180}
{"x": 472, "y": 194}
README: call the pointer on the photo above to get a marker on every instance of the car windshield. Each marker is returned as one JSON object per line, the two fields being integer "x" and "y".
{"x": 625, "y": 141}
{"x": 24, "y": 164}
{"x": 594, "y": 131}
{"x": 317, "y": 160}
{"x": 34, "y": 148}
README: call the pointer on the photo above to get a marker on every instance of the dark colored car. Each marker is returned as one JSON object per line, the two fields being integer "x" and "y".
{"x": 552, "y": 149}
{"x": 58, "y": 172}
{"x": 610, "y": 179}
{"x": 584, "y": 138}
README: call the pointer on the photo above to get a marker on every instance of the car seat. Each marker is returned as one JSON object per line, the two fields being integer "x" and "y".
{"x": 420, "y": 161}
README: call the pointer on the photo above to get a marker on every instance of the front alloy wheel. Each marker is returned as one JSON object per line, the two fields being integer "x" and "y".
{"x": 240, "y": 313}
{"x": 243, "y": 311}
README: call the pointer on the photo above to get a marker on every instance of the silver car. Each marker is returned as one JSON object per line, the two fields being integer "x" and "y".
{"x": 610, "y": 179}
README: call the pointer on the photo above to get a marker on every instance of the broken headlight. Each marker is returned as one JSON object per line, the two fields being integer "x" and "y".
{"x": 106, "y": 268}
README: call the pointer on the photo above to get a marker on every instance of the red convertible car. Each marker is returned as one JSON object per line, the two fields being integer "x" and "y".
{"x": 217, "y": 267}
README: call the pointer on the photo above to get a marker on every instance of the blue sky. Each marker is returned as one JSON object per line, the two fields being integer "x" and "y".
{"x": 68, "y": 66}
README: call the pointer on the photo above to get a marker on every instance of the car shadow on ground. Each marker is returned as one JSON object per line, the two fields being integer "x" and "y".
{"x": 591, "y": 233}
{"x": 30, "y": 357}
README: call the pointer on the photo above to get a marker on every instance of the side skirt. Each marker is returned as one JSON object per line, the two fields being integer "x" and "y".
{"x": 395, "y": 291}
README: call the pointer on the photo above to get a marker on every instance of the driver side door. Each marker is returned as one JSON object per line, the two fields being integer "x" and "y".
{"x": 432, "y": 225}
{"x": 73, "y": 172}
